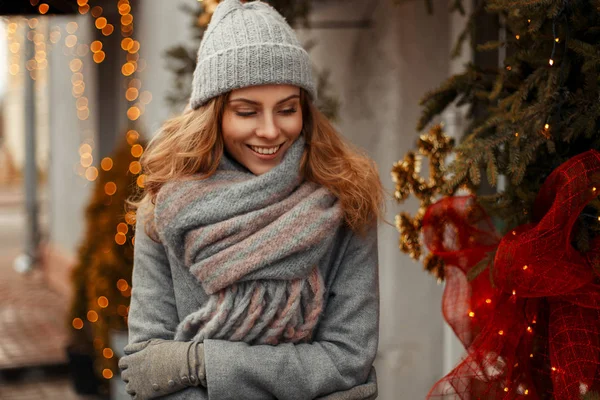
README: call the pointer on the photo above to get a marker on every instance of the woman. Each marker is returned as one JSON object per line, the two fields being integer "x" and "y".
{"x": 255, "y": 267}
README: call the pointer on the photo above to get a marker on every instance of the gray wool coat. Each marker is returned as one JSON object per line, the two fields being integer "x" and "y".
{"x": 336, "y": 365}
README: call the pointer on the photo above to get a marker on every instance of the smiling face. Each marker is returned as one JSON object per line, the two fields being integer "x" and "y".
{"x": 260, "y": 123}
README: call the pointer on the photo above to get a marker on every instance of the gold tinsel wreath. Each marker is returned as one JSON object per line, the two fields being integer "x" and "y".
{"x": 406, "y": 175}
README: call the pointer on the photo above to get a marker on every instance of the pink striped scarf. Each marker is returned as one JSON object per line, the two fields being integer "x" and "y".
{"x": 254, "y": 243}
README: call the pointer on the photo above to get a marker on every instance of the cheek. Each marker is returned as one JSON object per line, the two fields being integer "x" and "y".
{"x": 292, "y": 125}
{"x": 234, "y": 128}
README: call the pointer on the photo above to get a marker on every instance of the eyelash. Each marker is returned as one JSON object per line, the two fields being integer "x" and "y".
{"x": 287, "y": 112}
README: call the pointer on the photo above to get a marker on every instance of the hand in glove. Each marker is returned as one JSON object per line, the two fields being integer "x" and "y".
{"x": 159, "y": 367}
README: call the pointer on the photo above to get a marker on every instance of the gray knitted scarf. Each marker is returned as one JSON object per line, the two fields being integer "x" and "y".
{"x": 254, "y": 243}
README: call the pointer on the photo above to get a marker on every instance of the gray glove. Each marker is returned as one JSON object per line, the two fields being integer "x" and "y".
{"x": 159, "y": 367}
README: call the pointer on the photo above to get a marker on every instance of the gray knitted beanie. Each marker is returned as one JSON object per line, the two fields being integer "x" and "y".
{"x": 248, "y": 44}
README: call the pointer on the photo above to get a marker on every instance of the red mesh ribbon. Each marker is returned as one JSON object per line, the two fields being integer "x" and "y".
{"x": 535, "y": 334}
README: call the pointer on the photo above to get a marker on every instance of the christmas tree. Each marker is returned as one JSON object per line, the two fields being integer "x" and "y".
{"x": 102, "y": 276}
{"x": 182, "y": 58}
{"x": 521, "y": 264}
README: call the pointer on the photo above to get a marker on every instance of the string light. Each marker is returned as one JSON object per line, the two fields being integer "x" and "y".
{"x": 77, "y": 323}
{"x": 471, "y": 314}
{"x": 107, "y": 352}
{"x": 488, "y": 301}
{"x": 525, "y": 267}
{"x": 529, "y": 329}
{"x": 551, "y": 62}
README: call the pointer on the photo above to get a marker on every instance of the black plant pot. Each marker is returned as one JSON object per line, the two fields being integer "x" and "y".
{"x": 81, "y": 368}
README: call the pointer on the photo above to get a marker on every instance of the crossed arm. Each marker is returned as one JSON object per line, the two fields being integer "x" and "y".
{"x": 336, "y": 365}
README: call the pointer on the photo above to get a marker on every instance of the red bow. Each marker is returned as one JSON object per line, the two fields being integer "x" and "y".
{"x": 536, "y": 332}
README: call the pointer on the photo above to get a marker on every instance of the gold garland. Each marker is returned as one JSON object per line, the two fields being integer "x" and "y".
{"x": 406, "y": 175}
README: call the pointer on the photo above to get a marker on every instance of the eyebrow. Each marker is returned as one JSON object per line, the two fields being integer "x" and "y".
{"x": 257, "y": 103}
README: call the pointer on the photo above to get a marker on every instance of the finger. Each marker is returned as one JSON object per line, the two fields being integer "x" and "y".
{"x": 123, "y": 363}
{"x": 135, "y": 347}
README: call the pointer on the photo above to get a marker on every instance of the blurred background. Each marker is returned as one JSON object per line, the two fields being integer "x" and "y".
{"x": 84, "y": 84}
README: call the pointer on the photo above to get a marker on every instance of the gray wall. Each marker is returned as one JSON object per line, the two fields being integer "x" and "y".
{"x": 68, "y": 192}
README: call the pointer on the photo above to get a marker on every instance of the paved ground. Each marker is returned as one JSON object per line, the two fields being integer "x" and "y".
{"x": 33, "y": 330}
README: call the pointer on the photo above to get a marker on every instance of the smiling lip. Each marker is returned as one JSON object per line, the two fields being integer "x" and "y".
{"x": 266, "y": 156}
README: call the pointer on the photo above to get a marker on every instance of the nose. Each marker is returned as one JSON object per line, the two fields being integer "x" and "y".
{"x": 267, "y": 127}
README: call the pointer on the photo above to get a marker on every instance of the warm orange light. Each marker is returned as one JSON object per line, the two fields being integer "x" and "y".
{"x": 91, "y": 174}
{"x": 86, "y": 160}
{"x": 488, "y": 301}
{"x": 77, "y": 323}
{"x": 506, "y": 389}
{"x": 514, "y": 233}
{"x": 75, "y": 65}
{"x": 122, "y": 285}
{"x": 83, "y": 114}
{"x": 126, "y": 19}
{"x": 82, "y": 103}
{"x": 82, "y": 3}
{"x": 551, "y": 62}
{"x": 107, "y": 353}
{"x": 471, "y": 314}
{"x": 99, "y": 57}
{"x": 554, "y": 369}
{"x": 518, "y": 37}
{"x": 92, "y": 316}
{"x": 130, "y": 218}
{"x": 122, "y": 227}
{"x": 514, "y": 292}
{"x": 547, "y": 126}
{"x": 132, "y": 137}
{"x": 137, "y": 150}
{"x": 135, "y": 47}
{"x": 128, "y": 69}
{"x": 135, "y": 167}
{"x": 108, "y": 30}
{"x": 44, "y": 8}
{"x": 131, "y": 94}
{"x": 85, "y": 148}
{"x": 133, "y": 113}
{"x": 101, "y": 22}
{"x": 529, "y": 329}
{"x": 106, "y": 164}
{"x": 126, "y": 43}
{"x": 141, "y": 181}
{"x": 525, "y": 267}
{"x": 103, "y": 301}
{"x": 107, "y": 373}
{"x": 96, "y": 11}
{"x": 124, "y": 9}
{"x": 120, "y": 239}
{"x": 84, "y": 9}
{"x": 500, "y": 332}
{"x": 110, "y": 188}
{"x": 71, "y": 41}
{"x": 72, "y": 27}
{"x": 96, "y": 46}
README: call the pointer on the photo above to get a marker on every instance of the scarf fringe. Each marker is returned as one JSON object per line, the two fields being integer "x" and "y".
{"x": 259, "y": 312}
